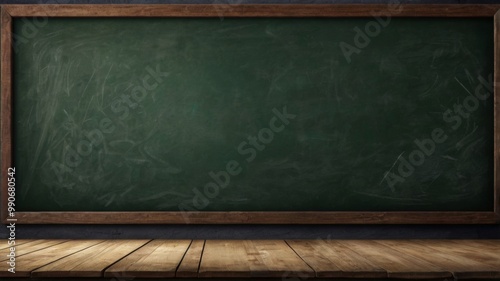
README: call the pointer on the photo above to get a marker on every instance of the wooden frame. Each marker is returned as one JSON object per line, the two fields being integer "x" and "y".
{"x": 354, "y": 10}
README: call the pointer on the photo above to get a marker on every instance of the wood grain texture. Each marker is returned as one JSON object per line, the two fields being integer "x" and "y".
{"x": 32, "y": 246}
{"x": 496, "y": 101}
{"x": 157, "y": 259}
{"x": 252, "y": 258}
{"x": 253, "y": 10}
{"x": 299, "y": 259}
{"x": 485, "y": 250}
{"x": 396, "y": 264}
{"x": 90, "y": 262}
{"x": 456, "y": 264}
{"x": 329, "y": 258}
{"x": 462, "y": 261}
{"x": 257, "y": 217}
{"x": 4, "y": 244}
{"x": 34, "y": 260}
{"x": 5, "y": 107}
{"x": 191, "y": 261}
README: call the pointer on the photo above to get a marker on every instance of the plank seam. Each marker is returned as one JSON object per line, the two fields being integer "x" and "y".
{"x": 183, "y": 256}
{"x": 63, "y": 241}
{"x": 415, "y": 257}
{"x": 31, "y": 273}
{"x": 315, "y": 273}
{"x": 457, "y": 274}
{"x": 201, "y": 258}
{"x": 103, "y": 271}
{"x": 24, "y": 241}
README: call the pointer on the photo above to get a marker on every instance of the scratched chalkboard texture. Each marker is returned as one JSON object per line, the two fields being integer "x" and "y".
{"x": 254, "y": 115}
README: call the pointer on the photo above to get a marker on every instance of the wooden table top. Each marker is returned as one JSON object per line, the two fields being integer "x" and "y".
{"x": 280, "y": 259}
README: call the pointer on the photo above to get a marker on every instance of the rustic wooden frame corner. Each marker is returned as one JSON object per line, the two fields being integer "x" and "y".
{"x": 249, "y": 10}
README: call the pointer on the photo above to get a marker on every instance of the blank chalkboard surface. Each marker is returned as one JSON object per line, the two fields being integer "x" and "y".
{"x": 360, "y": 114}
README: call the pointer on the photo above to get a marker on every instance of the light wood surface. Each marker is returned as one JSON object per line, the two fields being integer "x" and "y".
{"x": 90, "y": 262}
{"x": 397, "y": 264}
{"x": 251, "y": 258}
{"x": 4, "y": 243}
{"x": 29, "y": 247}
{"x": 30, "y": 262}
{"x": 158, "y": 258}
{"x": 468, "y": 263}
{"x": 332, "y": 259}
{"x": 191, "y": 261}
{"x": 284, "y": 260}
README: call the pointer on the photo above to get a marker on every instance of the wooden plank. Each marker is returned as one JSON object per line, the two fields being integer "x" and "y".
{"x": 254, "y": 10}
{"x": 487, "y": 248}
{"x": 396, "y": 264}
{"x": 252, "y": 258}
{"x": 255, "y": 258}
{"x": 90, "y": 262}
{"x": 332, "y": 259}
{"x": 447, "y": 260}
{"x": 4, "y": 243}
{"x": 158, "y": 258}
{"x": 29, "y": 247}
{"x": 191, "y": 261}
{"x": 256, "y": 217}
{"x": 5, "y": 109}
{"x": 34, "y": 260}
{"x": 496, "y": 102}
{"x": 483, "y": 262}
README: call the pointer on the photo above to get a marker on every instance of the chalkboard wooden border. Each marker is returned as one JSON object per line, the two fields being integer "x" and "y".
{"x": 248, "y": 10}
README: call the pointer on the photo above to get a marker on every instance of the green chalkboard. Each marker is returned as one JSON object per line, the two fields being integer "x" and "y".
{"x": 253, "y": 114}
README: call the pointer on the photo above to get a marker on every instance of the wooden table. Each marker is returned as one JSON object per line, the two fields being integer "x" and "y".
{"x": 280, "y": 259}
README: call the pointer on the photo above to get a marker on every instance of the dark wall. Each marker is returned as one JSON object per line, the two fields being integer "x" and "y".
{"x": 254, "y": 231}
